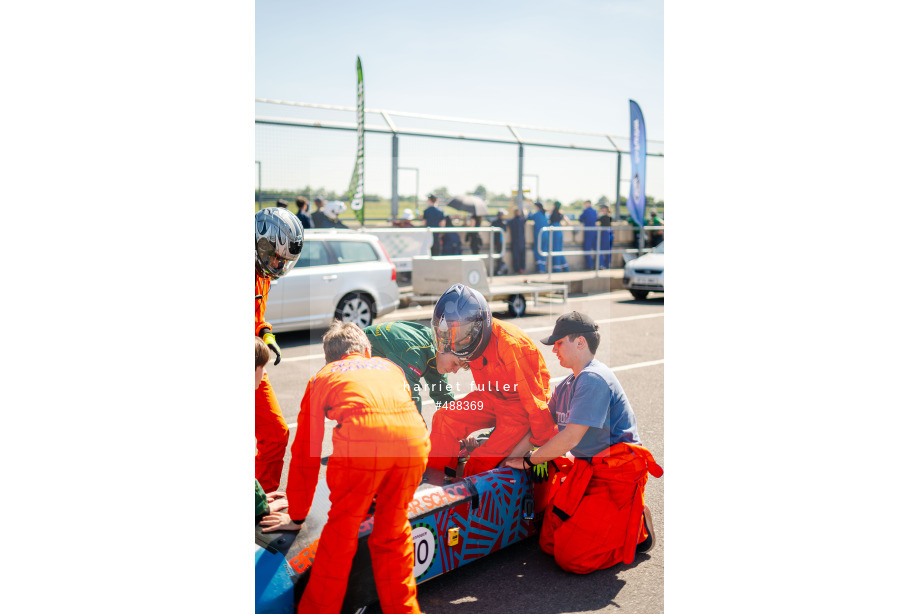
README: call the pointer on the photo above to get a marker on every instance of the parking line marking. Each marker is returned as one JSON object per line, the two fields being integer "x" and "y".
{"x": 526, "y": 330}
{"x": 554, "y": 380}
{"x": 310, "y": 357}
{"x": 607, "y": 321}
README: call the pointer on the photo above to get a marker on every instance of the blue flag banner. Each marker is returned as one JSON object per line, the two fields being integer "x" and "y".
{"x": 636, "y": 203}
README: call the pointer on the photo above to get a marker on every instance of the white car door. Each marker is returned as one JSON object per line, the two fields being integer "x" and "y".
{"x": 309, "y": 290}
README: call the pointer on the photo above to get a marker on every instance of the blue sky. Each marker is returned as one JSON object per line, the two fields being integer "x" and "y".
{"x": 569, "y": 64}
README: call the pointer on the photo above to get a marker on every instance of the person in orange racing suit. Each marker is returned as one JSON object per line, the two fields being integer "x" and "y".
{"x": 279, "y": 240}
{"x": 597, "y": 515}
{"x": 511, "y": 378}
{"x": 379, "y": 449}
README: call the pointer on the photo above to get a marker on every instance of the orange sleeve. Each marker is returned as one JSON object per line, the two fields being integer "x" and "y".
{"x": 531, "y": 379}
{"x": 303, "y": 473}
{"x": 263, "y": 284}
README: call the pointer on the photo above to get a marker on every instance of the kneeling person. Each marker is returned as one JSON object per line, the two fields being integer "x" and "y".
{"x": 512, "y": 385}
{"x": 380, "y": 446}
{"x": 597, "y": 517}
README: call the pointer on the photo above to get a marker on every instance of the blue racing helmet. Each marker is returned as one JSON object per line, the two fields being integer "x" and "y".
{"x": 462, "y": 322}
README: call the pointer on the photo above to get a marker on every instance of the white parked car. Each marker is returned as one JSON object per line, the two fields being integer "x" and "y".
{"x": 341, "y": 274}
{"x": 646, "y": 273}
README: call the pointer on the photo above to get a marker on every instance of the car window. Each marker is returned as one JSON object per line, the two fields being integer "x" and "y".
{"x": 314, "y": 254}
{"x": 659, "y": 249}
{"x": 353, "y": 251}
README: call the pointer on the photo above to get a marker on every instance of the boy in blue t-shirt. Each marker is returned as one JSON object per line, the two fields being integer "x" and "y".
{"x": 605, "y": 486}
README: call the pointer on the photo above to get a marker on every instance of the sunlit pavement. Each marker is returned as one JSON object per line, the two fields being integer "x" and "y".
{"x": 521, "y": 578}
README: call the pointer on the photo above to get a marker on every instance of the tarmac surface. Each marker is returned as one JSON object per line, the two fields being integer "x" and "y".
{"x": 521, "y": 578}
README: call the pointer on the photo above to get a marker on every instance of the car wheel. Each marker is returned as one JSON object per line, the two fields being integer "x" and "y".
{"x": 639, "y": 294}
{"x": 355, "y": 308}
{"x": 517, "y": 305}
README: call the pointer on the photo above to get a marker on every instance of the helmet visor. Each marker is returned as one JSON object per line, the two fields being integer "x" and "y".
{"x": 273, "y": 264}
{"x": 459, "y": 339}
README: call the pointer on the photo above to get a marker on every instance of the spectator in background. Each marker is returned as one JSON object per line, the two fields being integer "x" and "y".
{"x": 405, "y": 221}
{"x": 473, "y": 238}
{"x": 557, "y": 219}
{"x": 319, "y": 218}
{"x": 450, "y": 241}
{"x": 540, "y": 241}
{"x": 497, "y": 243}
{"x": 302, "y": 214}
{"x": 605, "y": 221}
{"x": 518, "y": 245}
{"x": 657, "y": 236}
{"x": 588, "y": 219}
{"x": 282, "y": 203}
{"x": 636, "y": 231}
{"x": 433, "y": 217}
{"x": 332, "y": 210}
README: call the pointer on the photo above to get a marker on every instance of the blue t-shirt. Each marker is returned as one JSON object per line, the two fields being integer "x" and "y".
{"x": 433, "y": 216}
{"x": 595, "y": 399}
{"x": 588, "y": 217}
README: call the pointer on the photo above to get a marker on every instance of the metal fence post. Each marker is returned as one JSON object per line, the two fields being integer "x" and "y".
{"x": 520, "y": 190}
{"x": 394, "y": 199}
{"x": 616, "y": 203}
{"x": 597, "y": 252}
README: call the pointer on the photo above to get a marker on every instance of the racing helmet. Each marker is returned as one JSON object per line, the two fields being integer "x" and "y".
{"x": 462, "y": 322}
{"x": 279, "y": 240}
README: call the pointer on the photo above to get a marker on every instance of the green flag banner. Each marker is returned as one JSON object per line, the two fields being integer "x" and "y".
{"x": 356, "y": 186}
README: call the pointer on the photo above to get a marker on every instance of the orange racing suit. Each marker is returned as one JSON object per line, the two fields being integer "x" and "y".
{"x": 512, "y": 391}
{"x": 271, "y": 429}
{"x": 594, "y": 519}
{"x": 379, "y": 448}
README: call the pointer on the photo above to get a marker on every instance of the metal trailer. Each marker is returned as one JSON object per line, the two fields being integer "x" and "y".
{"x": 513, "y": 294}
{"x": 432, "y": 276}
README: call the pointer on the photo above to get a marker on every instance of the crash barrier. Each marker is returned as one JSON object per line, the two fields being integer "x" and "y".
{"x": 403, "y": 244}
{"x": 597, "y": 251}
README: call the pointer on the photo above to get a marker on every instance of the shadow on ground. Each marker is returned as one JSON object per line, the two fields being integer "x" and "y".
{"x": 522, "y": 580}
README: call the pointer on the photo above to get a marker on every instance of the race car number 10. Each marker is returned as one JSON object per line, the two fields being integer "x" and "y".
{"x": 426, "y": 547}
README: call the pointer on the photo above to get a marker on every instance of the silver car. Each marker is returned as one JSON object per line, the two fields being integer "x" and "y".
{"x": 340, "y": 274}
{"x": 645, "y": 274}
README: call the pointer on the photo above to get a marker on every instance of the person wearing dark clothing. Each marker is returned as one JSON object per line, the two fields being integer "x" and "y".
{"x": 302, "y": 214}
{"x": 540, "y": 240}
{"x": 497, "y": 240}
{"x": 450, "y": 241}
{"x": 473, "y": 238}
{"x": 319, "y": 218}
{"x": 557, "y": 219}
{"x": 656, "y": 236}
{"x": 604, "y": 221}
{"x": 433, "y": 217}
{"x": 516, "y": 227}
{"x": 588, "y": 219}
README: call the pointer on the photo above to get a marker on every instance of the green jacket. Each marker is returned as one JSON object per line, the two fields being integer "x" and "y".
{"x": 261, "y": 500}
{"x": 411, "y": 346}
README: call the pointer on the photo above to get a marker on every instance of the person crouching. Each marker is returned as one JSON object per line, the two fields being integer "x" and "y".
{"x": 380, "y": 449}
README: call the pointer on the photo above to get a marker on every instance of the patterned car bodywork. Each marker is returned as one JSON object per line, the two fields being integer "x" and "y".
{"x": 452, "y": 524}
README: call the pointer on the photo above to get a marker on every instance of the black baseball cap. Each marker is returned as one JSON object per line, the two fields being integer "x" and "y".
{"x": 570, "y": 324}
